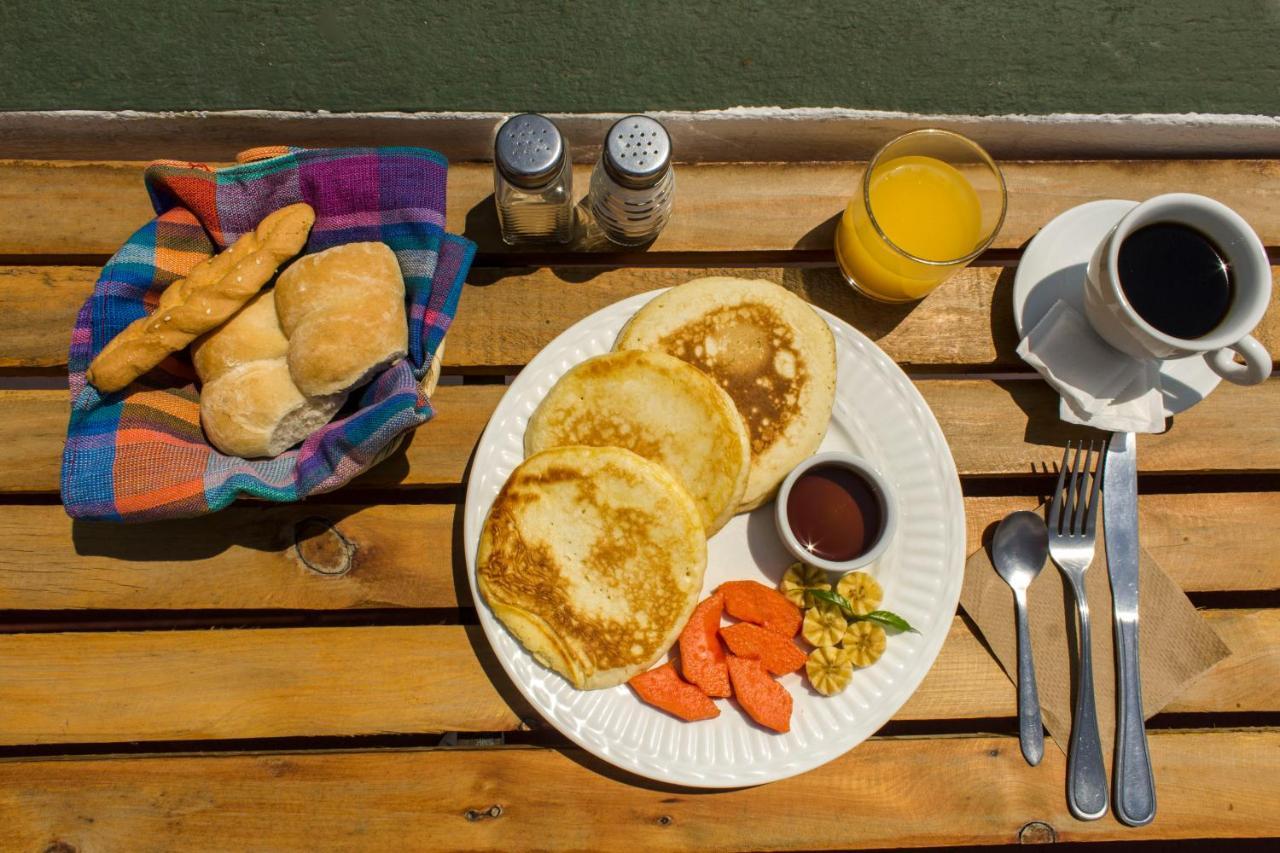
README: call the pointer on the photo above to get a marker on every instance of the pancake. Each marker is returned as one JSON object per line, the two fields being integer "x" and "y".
{"x": 660, "y": 407}
{"x": 593, "y": 558}
{"x": 767, "y": 348}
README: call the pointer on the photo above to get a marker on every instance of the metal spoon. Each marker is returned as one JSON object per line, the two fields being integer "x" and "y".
{"x": 1020, "y": 548}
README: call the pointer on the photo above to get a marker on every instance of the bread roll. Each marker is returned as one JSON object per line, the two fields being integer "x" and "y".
{"x": 344, "y": 315}
{"x": 213, "y": 291}
{"x": 249, "y": 405}
{"x": 252, "y": 334}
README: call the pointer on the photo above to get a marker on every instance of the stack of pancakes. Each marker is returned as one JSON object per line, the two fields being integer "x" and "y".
{"x": 594, "y": 550}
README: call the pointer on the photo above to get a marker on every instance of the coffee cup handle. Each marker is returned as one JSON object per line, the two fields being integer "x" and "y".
{"x": 1256, "y": 367}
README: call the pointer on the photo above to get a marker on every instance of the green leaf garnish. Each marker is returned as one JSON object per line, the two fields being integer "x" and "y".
{"x": 833, "y": 598}
{"x": 890, "y": 620}
{"x": 880, "y": 617}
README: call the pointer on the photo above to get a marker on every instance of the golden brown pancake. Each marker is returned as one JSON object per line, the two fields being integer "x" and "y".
{"x": 593, "y": 558}
{"x": 660, "y": 407}
{"x": 767, "y": 348}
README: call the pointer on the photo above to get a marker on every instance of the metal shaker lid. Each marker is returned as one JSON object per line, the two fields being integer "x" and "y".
{"x": 637, "y": 152}
{"x": 529, "y": 150}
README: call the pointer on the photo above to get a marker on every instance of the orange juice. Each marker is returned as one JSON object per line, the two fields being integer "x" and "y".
{"x": 928, "y": 210}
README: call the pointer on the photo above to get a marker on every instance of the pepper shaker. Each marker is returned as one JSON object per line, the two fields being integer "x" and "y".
{"x": 633, "y": 184}
{"x": 532, "y": 181}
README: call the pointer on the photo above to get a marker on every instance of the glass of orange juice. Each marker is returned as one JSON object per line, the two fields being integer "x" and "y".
{"x": 931, "y": 202}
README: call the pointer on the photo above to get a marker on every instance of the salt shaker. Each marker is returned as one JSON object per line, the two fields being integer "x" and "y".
{"x": 633, "y": 184}
{"x": 532, "y": 181}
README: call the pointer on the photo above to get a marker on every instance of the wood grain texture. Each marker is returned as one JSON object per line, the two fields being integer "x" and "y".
{"x": 966, "y": 323}
{"x": 60, "y": 207}
{"x": 993, "y": 428}
{"x": 907, "y": 792}
{"x": 70, "y": 207}
{"x": 296, "y": 556}
{"x": 966, "y": 681}
{"x": 108, "y": 687}
{"x": 1254, "y": 639}
{"x": 335, "y": 557}
{"x": 505, "y": 316}
{"x": 1205, "y": 541}
{"x": 1012, "y": 427}
{"x": 38, "y": 307}
{"x": 191, "y": 685}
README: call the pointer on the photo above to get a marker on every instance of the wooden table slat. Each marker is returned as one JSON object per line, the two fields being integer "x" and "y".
{"x": 118, "y": 686}
{"x": 886, "y": 793}
{"x": 956, "y": 326}
{"x": 74, "y": 207}
{"x": 994, "y": 428}
{"x": 266, "y": 557}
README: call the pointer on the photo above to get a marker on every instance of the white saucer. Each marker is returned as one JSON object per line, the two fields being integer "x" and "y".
{"x": 1053, "y": 267}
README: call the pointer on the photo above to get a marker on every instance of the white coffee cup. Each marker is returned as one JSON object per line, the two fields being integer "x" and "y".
{"x": 1113, "y": 318}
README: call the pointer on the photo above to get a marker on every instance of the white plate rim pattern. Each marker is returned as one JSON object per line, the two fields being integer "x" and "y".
{"x": 668, "y": 750}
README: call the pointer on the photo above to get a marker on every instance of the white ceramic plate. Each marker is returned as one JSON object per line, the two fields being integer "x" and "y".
{"x": 878, "y": 415}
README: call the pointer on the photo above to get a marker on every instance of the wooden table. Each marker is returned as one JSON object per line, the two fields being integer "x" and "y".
{"x": 312, "y": 676}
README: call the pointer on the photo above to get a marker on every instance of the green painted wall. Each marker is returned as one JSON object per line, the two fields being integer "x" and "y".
{"x": 965, "y": 56}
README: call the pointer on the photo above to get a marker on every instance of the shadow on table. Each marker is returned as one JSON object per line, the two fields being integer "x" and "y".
{"x": 1004, "y": 331}
{"x": 825, "y": 287}
{"x": 601, "y": 767}
{"x": 481, "y": 226}
{"x": 480, "y": 646}
{"x": 311, "y": 529}
{"x": 309, "y": 526}
{"x": 1039, "y": 403}
{"x": 488, "y": 276}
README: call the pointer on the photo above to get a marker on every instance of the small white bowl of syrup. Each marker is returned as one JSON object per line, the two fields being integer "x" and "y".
{"x": 836, "y": 512}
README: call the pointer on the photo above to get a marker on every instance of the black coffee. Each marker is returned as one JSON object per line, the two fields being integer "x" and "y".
{"x": 1176, "y": 279}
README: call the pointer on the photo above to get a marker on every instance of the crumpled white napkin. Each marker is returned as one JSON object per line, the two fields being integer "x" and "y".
{"x": 1100, "y": 386}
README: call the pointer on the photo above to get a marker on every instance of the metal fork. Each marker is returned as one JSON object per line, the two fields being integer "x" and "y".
{"x": 1072, "y": 533}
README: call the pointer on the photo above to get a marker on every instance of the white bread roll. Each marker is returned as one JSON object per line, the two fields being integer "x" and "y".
{"x": 344, "y": 315}
{"x": 256, "y": 410}
{"x": 252, "y": 334}
{"x": 249, "y": 405}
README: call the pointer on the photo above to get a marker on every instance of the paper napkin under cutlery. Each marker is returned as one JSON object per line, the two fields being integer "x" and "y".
{"x": 1176, "y": 642}
{"x": 1100, "y": 386}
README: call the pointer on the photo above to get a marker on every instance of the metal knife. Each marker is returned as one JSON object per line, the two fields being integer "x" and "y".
{"x": 1135, "y": 793}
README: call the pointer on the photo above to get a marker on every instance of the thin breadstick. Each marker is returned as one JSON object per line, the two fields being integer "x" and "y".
{"x": 213, "y": 291}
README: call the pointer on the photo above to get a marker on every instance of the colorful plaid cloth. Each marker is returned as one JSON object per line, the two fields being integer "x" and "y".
{"x": 139, "y": 454}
